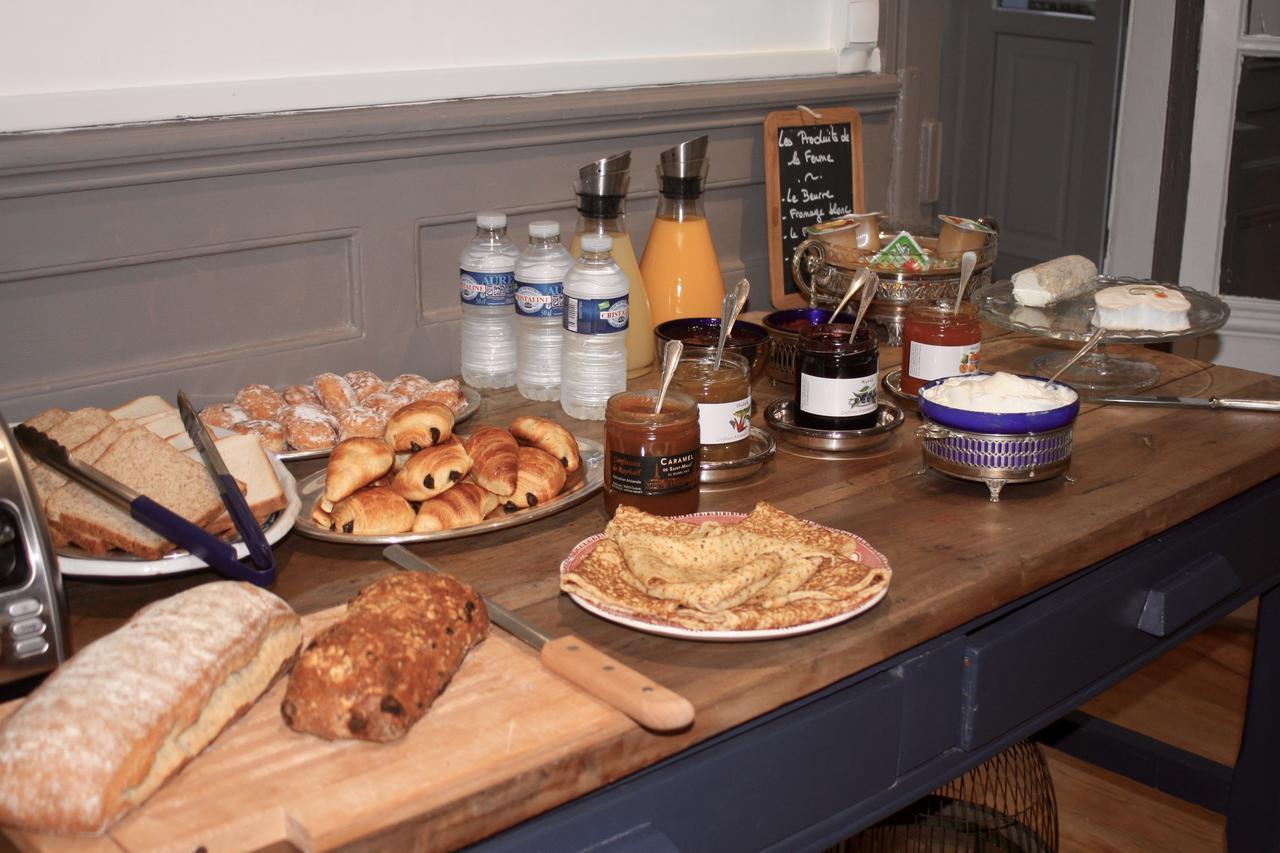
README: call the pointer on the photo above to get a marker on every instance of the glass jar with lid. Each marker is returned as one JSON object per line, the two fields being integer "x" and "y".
{"x": 651, "y": 458}
{"x": 836, "y": 377}
{"x": 723, "y": 395}
{"x": 937, "y": 343}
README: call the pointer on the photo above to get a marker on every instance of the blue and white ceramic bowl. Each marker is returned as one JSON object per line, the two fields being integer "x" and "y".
{"x": 1017, "y": 423}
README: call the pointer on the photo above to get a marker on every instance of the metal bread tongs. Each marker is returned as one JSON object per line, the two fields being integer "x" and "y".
{"x": 247, "y": 526}
{"x": 217, "y": 554}
{"x": 642, "y": 699}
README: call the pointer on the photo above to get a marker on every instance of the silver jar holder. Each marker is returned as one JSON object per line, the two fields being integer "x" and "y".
{"x": 996, "y": 459}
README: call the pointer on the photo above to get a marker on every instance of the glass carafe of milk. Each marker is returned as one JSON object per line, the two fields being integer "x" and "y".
{"x": 680, "y": 268}
{"x": 602, "y": 209}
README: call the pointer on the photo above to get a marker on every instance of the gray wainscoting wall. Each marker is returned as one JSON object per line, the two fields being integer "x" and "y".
{"x": 209, "y": 254}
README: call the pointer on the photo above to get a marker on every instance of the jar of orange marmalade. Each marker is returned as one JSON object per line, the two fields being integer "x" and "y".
{"x": 937, "y": 343}
{"x": 651, "y": 458}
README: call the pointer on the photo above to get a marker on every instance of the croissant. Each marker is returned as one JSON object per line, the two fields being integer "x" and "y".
{"x": 353, "y": 464}
{"x": 464, "y": 504}
{"x": 494, "y": 452}
{"x": 432, "y": 471}
{"x": 550, "y": 436}
{"x": 372, "y": 512}
{"x": 419, "y": 425}
{"x": 541, "y": 477}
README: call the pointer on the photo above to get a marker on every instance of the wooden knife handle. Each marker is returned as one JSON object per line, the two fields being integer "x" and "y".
{"x": 643, "y": 700}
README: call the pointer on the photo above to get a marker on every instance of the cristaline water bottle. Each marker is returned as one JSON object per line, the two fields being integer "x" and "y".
{"x": 593, "y": 363}
{"x": 540, "y": 272}
{"x": 488, "y": 316}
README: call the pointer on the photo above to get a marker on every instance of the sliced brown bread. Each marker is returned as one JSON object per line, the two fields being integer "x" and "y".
{"x": 47, "y": 419}
{"x": 75, "y": 429}
{"x": 147, "y": 464}
{"x": 88, "y": 453}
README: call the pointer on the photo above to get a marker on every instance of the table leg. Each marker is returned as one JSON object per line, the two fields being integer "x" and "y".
{"x": 1255, "y": 785}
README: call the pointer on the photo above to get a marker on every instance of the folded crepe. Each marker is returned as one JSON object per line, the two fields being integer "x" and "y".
{"x": 772, "y": 570}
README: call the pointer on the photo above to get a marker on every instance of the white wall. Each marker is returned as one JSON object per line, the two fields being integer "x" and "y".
{"x": 68, "y": 63}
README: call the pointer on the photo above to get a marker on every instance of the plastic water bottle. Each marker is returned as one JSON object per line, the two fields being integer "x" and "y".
{"x": 594, "y": 357}
{"x": 488, "y": 314}
{"x": 540, "y": 272}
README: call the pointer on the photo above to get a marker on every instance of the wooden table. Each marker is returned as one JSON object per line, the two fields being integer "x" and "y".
{"x": 1000, "y": 618}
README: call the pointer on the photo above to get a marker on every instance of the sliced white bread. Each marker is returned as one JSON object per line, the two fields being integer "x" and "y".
{"x": 165, "y": 426}
{"x": 249, "y": 464}
{"x": 143, "y": 407}
{"x": 147, "y": 464}
{"x": 182, "y": 442}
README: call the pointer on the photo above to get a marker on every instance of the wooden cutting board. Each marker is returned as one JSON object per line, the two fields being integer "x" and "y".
{"x": 502, "y": 721}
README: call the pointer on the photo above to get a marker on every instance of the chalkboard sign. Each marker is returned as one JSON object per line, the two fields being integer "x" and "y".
{"x": 813, "y": 173}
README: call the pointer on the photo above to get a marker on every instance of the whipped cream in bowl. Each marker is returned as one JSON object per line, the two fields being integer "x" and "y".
{"x": 999, "y": 403}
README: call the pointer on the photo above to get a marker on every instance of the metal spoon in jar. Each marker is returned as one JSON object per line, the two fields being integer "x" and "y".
{"x": 967, "y": 262}
{"x": 858, "y": 281}
{"x": 868, "y": 293}
{"x": 1088, "y": 345}
{"x": 733, "y": 304}
{"x": 670, "y": 358}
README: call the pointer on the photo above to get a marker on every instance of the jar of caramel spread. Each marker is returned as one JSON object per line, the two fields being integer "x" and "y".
{"x": 724, "y": 403}
{"x": 836, "y": 377}
{"x": 937, "y": 343}
{"x": 651, "y": 460}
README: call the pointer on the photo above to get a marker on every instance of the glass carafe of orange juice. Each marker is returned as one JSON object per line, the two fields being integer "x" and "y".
{"x": 680, "y": 268}
{"x": 602, "y": 209}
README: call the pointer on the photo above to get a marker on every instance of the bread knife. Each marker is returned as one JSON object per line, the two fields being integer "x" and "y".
{"x": 241, "y": 516}
{"x": 1256, "y": 405}
{"x": 643, "y": 700}
{"x": 217, "y": 554}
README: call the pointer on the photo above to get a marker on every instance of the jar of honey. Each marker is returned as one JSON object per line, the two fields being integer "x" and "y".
{"x": 651, "y": 459}
{"x": 723, "y": 395}
{"x": 937, "y": 343}
{"x": 836, "y": 377}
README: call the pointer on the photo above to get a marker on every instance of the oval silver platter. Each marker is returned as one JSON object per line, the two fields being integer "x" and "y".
{"x": 762, "y": 448}
{"x": 781, "y": 416}
{"x": 583, "y": 483}
{"x": 471, "y": 405}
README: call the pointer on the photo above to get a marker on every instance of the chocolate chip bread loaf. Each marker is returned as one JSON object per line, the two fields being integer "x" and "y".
{"x": 375, "y": 673}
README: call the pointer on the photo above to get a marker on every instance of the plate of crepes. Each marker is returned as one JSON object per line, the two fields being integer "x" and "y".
{"x": 144, "y": 445}
{"x": 724, "y": 576}
{"x": 422, "y": 481}
{"x": 308, "y": 420}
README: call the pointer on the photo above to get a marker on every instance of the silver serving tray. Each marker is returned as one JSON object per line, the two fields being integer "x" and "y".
{"x": 469, "y": 408}
{"x": 583, "y": 483}
{"x": 761, "y": 450}
{"x": 781, "y": 416}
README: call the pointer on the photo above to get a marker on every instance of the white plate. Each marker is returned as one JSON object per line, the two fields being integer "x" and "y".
{"x": 868, "y": 555}
{"x": 470, "y": 406}
{"x": 584, "y": 482}
{"x": 78, "y": 563}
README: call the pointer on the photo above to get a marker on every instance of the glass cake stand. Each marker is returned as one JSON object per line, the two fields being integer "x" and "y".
{"x": 1071, "y": 320}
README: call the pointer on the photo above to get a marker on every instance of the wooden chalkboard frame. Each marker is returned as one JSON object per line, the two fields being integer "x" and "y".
{"x": 773, "y": 123}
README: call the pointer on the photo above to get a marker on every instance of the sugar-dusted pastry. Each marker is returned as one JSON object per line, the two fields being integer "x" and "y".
{"x": 301, "y": 394}
{"x": 260, "y": 401}
{"x": 540, "y": 478}
{"x": 309, "y": 427}
{"x": 385, "y": 402}
{"x": 495, "y": 454}
{"x": 463, "y": 505}
{"x": 270, "y": 433}
{"x": 446, "y": 391}
{"x": 372, "y": 512}
{"x": 419, "y": 425}
{"x": 364, "y": 383}
{"x": 550, "y": 436}
{"x": 354, "y": 463}
{"x": 1141, "y": 307}
{"x": 222, "y": 415}
{"x": 361, "y": 422}
{"x": 409, "y": 385}
{"x": 336, "y": 393}
{"x": 431, "y": 471}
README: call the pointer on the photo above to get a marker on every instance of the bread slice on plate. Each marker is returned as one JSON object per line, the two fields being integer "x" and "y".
{"x": 88, "y": 453}
{"x": 147, "y": 464}
{"x": 75, "y": 429}
{"x": 143, "y": 407}
{"x": 247, "y": 462}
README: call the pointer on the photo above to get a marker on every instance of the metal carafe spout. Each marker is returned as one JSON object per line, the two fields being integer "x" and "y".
{"x": 608, "y": 176}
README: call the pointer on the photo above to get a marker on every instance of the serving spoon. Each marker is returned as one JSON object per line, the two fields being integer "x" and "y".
{"x": 967, "y": 262}
{"x": 1088, "y": 345}
{"x": 858, "y": 281}
{"x": 732, "y": 307}
{"x": 868, "y": 293}
{"x": 670, "y": 358}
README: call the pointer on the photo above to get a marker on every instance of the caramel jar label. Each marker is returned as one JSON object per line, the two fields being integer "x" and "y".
{"x": 652, "y": 475}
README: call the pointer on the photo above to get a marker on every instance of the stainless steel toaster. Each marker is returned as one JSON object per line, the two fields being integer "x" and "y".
{"x": 33, "y": 607}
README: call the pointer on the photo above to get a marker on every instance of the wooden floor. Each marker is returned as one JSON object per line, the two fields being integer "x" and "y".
{"x": 1193, "y": 698}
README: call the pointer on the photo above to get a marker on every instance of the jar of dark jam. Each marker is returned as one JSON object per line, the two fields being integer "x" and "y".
{"x": 651, "y": 460}
{"x": 723, "y": 395}
{"x": 937, "y": 343}
{"x": 836, "y": 378}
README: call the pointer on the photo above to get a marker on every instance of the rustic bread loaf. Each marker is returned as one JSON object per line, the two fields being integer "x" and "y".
{"x": 128, "y": 711}
{"x": 375, "y": 673}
